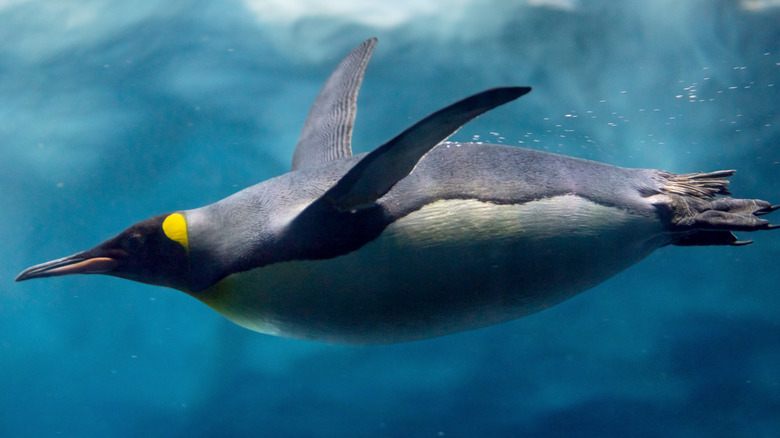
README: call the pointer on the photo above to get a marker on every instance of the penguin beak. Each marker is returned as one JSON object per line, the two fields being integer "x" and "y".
{"x": 86, "y": 262}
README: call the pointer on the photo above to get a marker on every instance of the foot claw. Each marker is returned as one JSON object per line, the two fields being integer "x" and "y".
{"x": 767, "y": 210}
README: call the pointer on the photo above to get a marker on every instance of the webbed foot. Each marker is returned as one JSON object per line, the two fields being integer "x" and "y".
{"x": 711, "y": 222}
{"x": 698, "y": 217}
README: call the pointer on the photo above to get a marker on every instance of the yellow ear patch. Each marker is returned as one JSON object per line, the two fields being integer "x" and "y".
{"x": 175, "y": 227}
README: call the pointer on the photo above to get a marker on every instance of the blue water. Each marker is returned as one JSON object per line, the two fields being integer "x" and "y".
{"x": 112, "y": 112}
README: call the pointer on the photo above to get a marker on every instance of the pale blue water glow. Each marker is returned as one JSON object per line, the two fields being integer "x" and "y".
{"x": 112, "y": 113}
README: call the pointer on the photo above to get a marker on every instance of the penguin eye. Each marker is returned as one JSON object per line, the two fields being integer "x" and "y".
{"x": 132, "y": 242}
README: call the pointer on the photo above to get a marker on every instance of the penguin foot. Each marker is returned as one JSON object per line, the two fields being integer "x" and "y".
{"x": 710, "y": 222}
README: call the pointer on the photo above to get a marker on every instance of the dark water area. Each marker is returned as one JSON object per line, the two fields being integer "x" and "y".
{"x": 112, "y": 113}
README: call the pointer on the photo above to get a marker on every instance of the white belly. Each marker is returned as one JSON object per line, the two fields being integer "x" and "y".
{"x": 451, "y": 266}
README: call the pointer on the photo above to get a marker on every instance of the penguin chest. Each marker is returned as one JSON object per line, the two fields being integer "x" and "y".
{"x": 453, "y": 265}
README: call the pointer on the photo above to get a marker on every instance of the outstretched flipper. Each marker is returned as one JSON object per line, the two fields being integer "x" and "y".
{"x": 327, "y": 132}
{"x": 378, "y": 171}
{"x": 373, "y": 176}
{"x": 703, "y": 219}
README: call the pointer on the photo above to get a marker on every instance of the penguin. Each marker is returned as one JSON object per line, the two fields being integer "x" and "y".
{"x": 419, "y": 238}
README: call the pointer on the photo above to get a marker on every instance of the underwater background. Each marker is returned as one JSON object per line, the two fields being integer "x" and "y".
{"x": 113, "y": 112}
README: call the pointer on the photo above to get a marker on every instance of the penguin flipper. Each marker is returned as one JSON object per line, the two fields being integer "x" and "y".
{"x": 327, "y": 132}
{"x": 377, "y": 172}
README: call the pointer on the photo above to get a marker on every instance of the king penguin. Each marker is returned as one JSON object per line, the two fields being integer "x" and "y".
{"x": 420, "y": 237}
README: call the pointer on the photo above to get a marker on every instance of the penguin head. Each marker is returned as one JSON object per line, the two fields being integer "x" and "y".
{"x": 154, "y": 251}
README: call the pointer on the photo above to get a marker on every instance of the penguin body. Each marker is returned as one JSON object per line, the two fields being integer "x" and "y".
{"x": 418, "y": 238}
{"x": 449, "y": 257}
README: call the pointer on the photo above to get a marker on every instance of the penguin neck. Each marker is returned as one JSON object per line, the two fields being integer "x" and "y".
{"x": 217, "y": 242}
{"x": 232, "y": 235}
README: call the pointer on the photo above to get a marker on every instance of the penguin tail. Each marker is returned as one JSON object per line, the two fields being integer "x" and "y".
{"x": 701, "y": 184}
